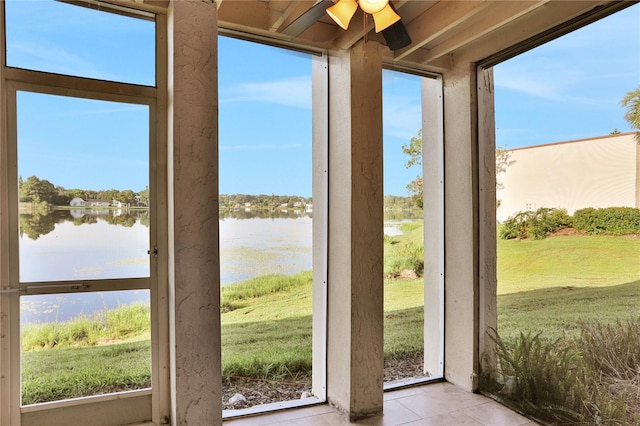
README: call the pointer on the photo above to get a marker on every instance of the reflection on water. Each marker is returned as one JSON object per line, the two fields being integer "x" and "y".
{"x": 85, "y": 244}
{"x": 36, "y": 224}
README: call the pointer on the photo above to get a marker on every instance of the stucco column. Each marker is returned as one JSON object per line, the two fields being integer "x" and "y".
{"x": 193, "y": 197}
{"x": 461, "y": 242}
{"x": 487, "y": 230}
{"x": 355, "y": 287}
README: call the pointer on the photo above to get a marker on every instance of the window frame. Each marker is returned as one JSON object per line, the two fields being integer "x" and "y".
{"x": 13, "y": 80}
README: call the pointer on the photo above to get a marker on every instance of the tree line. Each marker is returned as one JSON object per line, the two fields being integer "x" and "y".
{"x": 41, "y": 191}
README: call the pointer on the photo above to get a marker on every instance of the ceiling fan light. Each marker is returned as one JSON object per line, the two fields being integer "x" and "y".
{"x": 342, "y": 12}
{"x": 385, "y": 18}
{"x": 373, "y": 6}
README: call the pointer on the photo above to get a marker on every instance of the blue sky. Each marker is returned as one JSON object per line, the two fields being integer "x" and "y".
{"x": 571, "y": 87}
{"x": 567, "y": 89}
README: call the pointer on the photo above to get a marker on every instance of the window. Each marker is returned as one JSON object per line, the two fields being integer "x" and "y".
{"x": 63, "y": 38}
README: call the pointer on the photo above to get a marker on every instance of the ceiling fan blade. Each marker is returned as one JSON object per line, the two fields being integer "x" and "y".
{"x": 307, "y": 19}
{"x": 396, "y": 35}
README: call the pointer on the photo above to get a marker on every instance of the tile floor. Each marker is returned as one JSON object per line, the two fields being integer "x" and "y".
{"x": 430, "y": 404}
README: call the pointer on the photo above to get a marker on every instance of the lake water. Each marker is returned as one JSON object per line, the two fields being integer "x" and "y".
{"x": 84, "y": 245}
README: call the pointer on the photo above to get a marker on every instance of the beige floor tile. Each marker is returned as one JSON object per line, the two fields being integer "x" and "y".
{"x": 327, "y": 419}
{"x": 433, "y": 404}
{"x": 258, "y": 420}
{"x": 448, "y": 419}
{"x": 401, "y": 393}
{"x": 394, "y": 414}
{"x": 286, "y": 415}
{"x": 430, "y": 404}
{"x": 494, "y": 414}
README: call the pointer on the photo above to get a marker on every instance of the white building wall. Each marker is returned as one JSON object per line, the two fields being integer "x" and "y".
{"x": 599, "y": 172}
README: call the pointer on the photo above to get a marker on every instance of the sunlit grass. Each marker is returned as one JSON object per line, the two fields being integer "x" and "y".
{"x": 74, "y": 372}
{"x": 547, "y": 285}
{"x": 567, "y": 261}
{"x": 88, "y": 330}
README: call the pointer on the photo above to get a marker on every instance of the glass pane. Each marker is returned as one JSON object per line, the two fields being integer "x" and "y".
{"x": 84, "y": 344}
{"x": 403, "y": 241}
{"x": 266, "y": 225}
{"x": 62, "y": 38}
{"x": 83, "y": 187}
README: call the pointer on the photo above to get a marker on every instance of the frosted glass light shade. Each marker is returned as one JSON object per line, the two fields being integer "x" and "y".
{"x": 385, "y": 18}
{"x": 342, "y": 12}
{"x": 373, "y": 6}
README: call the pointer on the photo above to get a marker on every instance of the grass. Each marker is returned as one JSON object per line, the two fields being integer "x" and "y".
{"x": 90, "y": 355}
{"x": 118, "y": 324}
{"x": 546, "y": 286}
{"x": 404, "y": 252}
{"x": 268, "y": 331}
{"x": 569, "y": 333}
{"x": 556, "y": 311}
{"x": 73, "y": 372}
{"x": 567, "y": 261}
{"x": 550, "y": 285}
{"x": 590, "y": 379}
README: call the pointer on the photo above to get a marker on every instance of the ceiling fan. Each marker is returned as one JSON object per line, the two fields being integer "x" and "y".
{"x": 386, "y": 19}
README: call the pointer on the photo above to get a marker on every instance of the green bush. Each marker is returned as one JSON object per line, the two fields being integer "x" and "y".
{"x": 535, "y": 225}
{"x": 408, "y": 256}
{"x": 611, "y": 354}
{"x": 594, "y": 379}
{"x": 542, "y": 377}
{"x": 608, "y": 221}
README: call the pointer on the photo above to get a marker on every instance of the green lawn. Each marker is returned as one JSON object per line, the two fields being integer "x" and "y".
{"x": 49, "y": 375}
{"x": 567, "y": 261}
{"x": 268, "y": 334}
{"x": 547, "y": 285}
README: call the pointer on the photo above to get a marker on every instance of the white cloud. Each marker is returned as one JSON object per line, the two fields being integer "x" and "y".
{"x": 292, "y": 92}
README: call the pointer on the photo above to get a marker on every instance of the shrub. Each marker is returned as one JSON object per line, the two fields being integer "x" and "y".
{"x": 541, "y": 377}
{"x": 608, "y": 221}
{"x": 594, "y": 379}
{"x": 408, "y": 256}
{"x": 611, "y": 355}
{"x": 535, "y": 225}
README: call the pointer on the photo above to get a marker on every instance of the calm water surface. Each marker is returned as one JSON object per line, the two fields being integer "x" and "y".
{"x": 84, "y": 245}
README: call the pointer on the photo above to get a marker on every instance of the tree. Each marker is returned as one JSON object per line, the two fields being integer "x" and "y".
{"x": 127, "y": 196}
{"x": 144, "y": 196}
{"x": 414, "y": 151}
{"x": 37, "y": 191}
{"x": 632, "y": 102}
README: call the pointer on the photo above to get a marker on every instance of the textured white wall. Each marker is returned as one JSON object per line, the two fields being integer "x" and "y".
{"x": 599, "y": 172}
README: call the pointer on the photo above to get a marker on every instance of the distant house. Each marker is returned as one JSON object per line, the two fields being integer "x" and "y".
{"x": 77, "y": 202}
{"x": 97, "y": 203}
{"x": 598, "y": 172}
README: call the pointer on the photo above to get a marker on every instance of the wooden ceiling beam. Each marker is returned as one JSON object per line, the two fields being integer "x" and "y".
{"x": 539, "y": 26}
{"x": 499, "y": 14}
{"x": 293, "y": 11}
{"x": 249, "y": 15}
{"x": 442, "y": 17}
